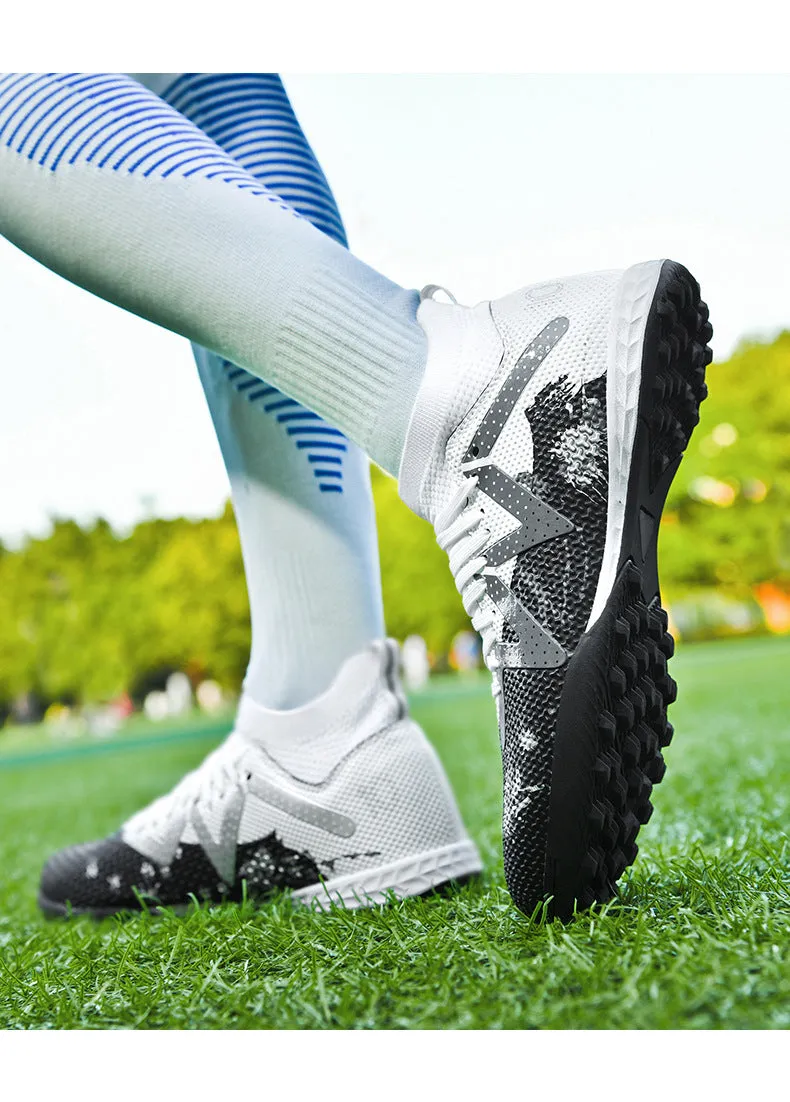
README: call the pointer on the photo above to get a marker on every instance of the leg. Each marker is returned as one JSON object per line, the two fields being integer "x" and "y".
{"x": 325, "y": 777}
{"x": 114, "y": 189}
{"x": 301, "y": 491}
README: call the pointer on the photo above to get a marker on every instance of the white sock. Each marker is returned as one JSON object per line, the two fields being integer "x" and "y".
{"x": 310, "y": 557}
{"x": 109, "y": 186}
{"x": 301, "y": 491}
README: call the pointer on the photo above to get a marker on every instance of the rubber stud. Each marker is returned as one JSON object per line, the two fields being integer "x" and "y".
{"x": 602, "y": 772}
{"x": 639, "y": 703}
{"x": 596, "y": 817}
{"x": 606, "y": 730}
{"x": 666, "y": 735}
{"x": 655, "y": 769}
{"x": 631, "y": 749}
{"x": 617, "y": 681}
{"x": 622, "y": 632}
{"x": 624, "y": 714}
{"x": 642, "y": 658}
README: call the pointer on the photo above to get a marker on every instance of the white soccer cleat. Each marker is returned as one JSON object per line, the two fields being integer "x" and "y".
{"x": 341, "y": 801}
{"x": 545, "y": 435}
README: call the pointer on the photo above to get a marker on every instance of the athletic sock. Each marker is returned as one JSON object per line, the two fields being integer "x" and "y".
{"x": 111, "y": 187}
{"x": 301, "y": 490}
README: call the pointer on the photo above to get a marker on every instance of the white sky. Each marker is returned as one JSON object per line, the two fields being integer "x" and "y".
{"x": 475, "y": 182}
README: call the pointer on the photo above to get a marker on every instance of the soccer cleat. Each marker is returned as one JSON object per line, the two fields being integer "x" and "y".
{"x": 341, "y": 801}
{"x": 544, "y": 438}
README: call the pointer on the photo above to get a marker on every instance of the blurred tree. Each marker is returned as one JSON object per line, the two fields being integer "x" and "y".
{"x": 727, "y": 521}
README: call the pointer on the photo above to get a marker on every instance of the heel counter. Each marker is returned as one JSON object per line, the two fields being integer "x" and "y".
{"x": 399, "y": 784}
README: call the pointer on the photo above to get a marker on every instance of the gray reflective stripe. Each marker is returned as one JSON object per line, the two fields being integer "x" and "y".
{"x": 302, "y": 809}
{"x": 159, "y": 849}
{"x": 539, "y": 521}
{"x": 513, "y": 387}
{"x": 222, "y": 853}
{"x": 535, "y": 649}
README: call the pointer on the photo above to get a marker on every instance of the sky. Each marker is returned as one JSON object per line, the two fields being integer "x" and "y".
{"x": 479, "y": 183}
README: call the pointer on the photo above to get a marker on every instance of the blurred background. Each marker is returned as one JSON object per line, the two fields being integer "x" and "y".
{"x": 121, "y": 581}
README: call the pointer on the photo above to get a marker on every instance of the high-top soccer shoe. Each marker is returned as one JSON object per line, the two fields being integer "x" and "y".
{"x": 544, "y": 438}
{"x": 342, "y": 801}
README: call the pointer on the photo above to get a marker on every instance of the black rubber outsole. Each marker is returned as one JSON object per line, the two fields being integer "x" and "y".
{"x": 612, "y": 722}
{"x": 55, "y": 910}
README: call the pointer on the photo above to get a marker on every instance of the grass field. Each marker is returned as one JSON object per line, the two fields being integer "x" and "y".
{"x": 700, "y": 937}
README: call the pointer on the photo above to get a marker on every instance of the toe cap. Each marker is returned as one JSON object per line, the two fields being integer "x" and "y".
{"x": 95, "y": 877}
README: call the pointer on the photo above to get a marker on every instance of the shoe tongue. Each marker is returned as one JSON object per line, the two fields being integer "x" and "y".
{"x": 309, "y": 741}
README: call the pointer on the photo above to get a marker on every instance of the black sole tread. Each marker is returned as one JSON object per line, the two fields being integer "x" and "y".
{"x": 640, "y": 686}
{"x": 633, "y": 644}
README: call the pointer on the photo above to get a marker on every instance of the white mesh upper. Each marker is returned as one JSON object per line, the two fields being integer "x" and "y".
{"x": 352, "y": 755}
{"x": 394, "y": 789}
{"x": 518, "y": 318}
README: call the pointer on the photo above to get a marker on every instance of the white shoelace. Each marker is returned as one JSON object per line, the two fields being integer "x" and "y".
{"x": 460, "y": 533}
{"x": 212, "y": 779}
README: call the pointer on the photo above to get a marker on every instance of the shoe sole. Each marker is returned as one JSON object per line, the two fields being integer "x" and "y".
{"x": 421, "y": 874}
{"x": 612, "y": 719}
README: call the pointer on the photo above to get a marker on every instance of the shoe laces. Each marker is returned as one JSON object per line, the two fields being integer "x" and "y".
{"x": 217, "y": 774}
{"x": 461, "y": 533}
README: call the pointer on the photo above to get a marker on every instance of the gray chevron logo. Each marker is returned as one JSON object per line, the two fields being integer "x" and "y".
{"x": 490, "y": 428}
{"x": 538, "y": 521}
{"x": 221, "y": 851}
{"x": 536, "y": 649}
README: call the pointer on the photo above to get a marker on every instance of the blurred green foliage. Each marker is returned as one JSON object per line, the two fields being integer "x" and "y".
{"x": 86, "y": 614}
{"x": 742, "y": 447}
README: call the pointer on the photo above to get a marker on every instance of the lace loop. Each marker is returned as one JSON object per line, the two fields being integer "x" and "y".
{"x": 431, "y": 290}
{"x": 218, "y": 774}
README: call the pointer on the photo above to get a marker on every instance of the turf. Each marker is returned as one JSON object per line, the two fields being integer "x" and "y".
{"x": 700, "y": 937}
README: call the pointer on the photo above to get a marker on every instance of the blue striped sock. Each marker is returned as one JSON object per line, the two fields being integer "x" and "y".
{"x": 250, "y": 117}
{"x": 108, "y": 185}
